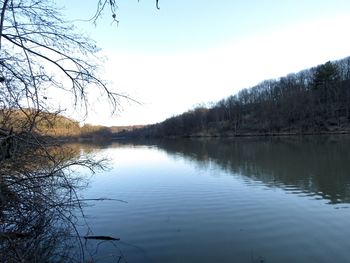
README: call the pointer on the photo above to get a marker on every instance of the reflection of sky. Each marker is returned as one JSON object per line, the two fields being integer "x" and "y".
{"x": 192, "y": 52}
{"x": 315, "y": 169}
{"x": 175, "y": 207}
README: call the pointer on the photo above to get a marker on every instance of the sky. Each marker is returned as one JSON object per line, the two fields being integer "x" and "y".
{"x": 197, "y": 52}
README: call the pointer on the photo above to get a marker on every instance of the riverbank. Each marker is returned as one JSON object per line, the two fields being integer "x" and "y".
{"x": 230, "y": 134}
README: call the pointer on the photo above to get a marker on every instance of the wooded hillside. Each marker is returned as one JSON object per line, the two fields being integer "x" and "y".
{"x": 49, "y": 124}
{"x": 315, "y": 100}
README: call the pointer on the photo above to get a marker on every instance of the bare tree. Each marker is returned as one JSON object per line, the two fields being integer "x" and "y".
{"x": 40, "y": 54}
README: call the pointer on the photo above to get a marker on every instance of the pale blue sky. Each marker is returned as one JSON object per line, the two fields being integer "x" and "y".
{"x": 178, "y": 39}
{"x": 192, "y": 24}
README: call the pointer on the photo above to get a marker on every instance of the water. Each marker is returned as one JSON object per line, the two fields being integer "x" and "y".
{"x": 238, "y": 200}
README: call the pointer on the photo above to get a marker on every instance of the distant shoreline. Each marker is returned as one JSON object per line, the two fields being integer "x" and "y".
{"x": 116, "y": 137}
{"x": 240, "y": 135}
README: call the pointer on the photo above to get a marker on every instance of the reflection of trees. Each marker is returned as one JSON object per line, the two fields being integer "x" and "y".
{"x": 38, "y": 202}
{"x": 317, "y": 165}
{"x": 38, "y": 235}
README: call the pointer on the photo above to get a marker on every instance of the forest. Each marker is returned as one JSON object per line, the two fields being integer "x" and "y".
{"x": 54, "y": 125}
{"x": 312, "y": 101}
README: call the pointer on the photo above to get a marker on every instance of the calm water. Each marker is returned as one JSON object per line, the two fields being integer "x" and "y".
{"x": 241, "y": 200}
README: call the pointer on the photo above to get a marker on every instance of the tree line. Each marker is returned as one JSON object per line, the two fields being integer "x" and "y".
{"x": 314, "y": 100}
{"x": 54, "y": 125}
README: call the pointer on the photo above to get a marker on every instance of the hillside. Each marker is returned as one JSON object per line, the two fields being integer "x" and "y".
{"x": 315, "y": 100}
{"x": 43, "y": 123}
{"x": 49, "y": 124}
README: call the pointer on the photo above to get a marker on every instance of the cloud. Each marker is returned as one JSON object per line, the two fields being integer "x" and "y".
{"x": 168, "y": 84}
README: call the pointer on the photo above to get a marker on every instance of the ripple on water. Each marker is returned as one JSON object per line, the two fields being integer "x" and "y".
{"x": 211, "y": 215}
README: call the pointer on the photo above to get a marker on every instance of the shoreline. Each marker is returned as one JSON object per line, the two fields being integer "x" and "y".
{"x": 116, "y": 137}
{"x": 237, "y": 135}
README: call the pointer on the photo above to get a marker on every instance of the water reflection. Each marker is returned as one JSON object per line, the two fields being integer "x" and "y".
{"x": 232, "y": 200}
{"x": 40, "y": 204}
{"x": 315, "y": 165}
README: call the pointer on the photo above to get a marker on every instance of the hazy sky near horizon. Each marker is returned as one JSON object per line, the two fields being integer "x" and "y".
{"x": 194, "y": 52}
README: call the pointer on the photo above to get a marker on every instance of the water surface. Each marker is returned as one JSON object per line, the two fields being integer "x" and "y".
{"x": 237, "y": 200}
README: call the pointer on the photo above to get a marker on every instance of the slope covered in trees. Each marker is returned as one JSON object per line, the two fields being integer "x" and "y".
{"x": 315, "y": 100}
{"x": 50, "y": 124}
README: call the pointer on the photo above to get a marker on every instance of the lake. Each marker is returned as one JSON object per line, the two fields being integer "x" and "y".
{"x": 223, "y": 200}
